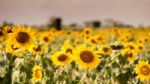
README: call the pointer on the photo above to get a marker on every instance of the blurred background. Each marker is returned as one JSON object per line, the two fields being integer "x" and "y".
{"x": 39, "y": 12}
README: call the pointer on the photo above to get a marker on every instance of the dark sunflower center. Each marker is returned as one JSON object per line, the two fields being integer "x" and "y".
{"x": 9, "y": 31}
{"x": 69, "y": 50}
{"x": 46, "y": 39}
{"x": 86, "y": 56}
{"x": 93, "y": 41}
{"x": 129, "y": 55}
{"x": 145, "y": 70}
{"x": 37, "y": 48}
{"x": 62, "y": 57}
{"x": 116, "y": 47}
{"x": 87, "y": 32}
{"x": 1, "y": 33}
{"x": 140, "y": 47}
{"x": 131, "y": 47}
{"x": 99, "y": 38}
{"x": 22, "y": 37}
{"x": 105, "y": 49}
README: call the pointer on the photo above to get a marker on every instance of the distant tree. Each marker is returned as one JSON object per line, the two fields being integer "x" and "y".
{"x": 96, "y": 24}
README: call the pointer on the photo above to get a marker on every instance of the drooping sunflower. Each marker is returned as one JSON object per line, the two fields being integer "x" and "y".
{"x": 86, "y": 58}
{"x": 37, "y": 73}
{"x": 68, "y": 48}
{"x": 61, "y": 58}
{"x": 142, "y": 70}
{"x": 22, "y": 37}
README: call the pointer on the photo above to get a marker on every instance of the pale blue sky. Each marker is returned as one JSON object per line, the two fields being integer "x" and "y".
{"x": 37, "y": 12}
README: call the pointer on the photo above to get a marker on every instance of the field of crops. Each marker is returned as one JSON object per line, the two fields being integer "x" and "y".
{"x": 72, "y": 56}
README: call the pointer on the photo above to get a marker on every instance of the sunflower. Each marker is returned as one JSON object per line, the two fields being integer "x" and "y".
{"x": 130, "y": 54}
{"x": 105, "y": 50}
{"x": 7, "y": 29}
{"x": 36, "y": 49}
{"x": 87, "y": 31}
{"x": 143, "y": 70}
{"x": 45, "y": 38}
{"x": 86, "y": 58}
{"x": 37, "y": 73}
{"x": 22, "y": 37}
{"x": 68, "y": 48}
{"x": 12, "y": 49}
{"x": 92, "y": 41}
{"x": 140, "y": 47}
{"x": 61, "y": 58}
{"x": 2, "y": 35}
{"x": 131, "y": 46}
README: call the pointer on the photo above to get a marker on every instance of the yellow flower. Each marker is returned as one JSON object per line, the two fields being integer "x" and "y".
{"x": 68, "y": 48}
{"x": 140, "y": 47}
{"x": 45, "y": 38}
{"x": 105, "y": 50}
{"x": 86, "y": 58}
{"x": 87, "y": 31}
{"x": 2, "y": 35}
{"x": 61, "y": 58}
{"x": 37, "y": 73}
{"x": 92, "y": 41}
{"x": 22, "y": 37}
{"x": 12, "y": 49}
{"x": 143, "y": 70}
{"x": 131, "y": 46}
{"x": 36, "y": 49}
{"x": 130, "y": 54}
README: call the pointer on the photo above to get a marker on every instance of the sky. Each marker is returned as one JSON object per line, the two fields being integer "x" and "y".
{"x": 37, "y": 12}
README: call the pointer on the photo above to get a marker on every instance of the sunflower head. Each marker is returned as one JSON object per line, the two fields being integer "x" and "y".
{"x": 86, "y": 58}
{"x": 130, "y": 54}
{"x": 105, "y": 50}
{"x": 37, "y": 73}
{"x": 22, "y": 37}
{"x": 68, "y": 48}
{"x": 45, "y": 38}
{"x": 61, "y": 58}
{"x": 142, "y": 70}
{"x": 36, "y": 49}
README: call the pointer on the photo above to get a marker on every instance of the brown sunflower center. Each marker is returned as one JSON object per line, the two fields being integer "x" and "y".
{"x": 69, "y": 50}
{"x": 46, "y": 39}
{"x": 62, "y": 57}
{"x": 22, "y": 37}
{"x": 1, "y": 33}
{"x": 105, "y": 49}
{"x": 87, "y": 32}
{"x": 9, "y": 31}
{"x": 37, "y": 48}
{"x": 145, "y": 70}
{"x": 131, "y": 47}
{"x": 93, "y": 41}
{"x": 86, "y": 56}
{"x": 129, "y": 54}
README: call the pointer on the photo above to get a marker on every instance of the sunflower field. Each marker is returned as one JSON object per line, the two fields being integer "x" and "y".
{"x": 74, "y": 56}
